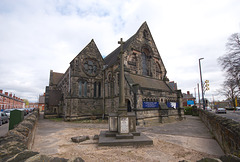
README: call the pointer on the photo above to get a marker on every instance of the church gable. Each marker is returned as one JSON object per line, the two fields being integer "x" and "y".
{"x": 88, "y": 63}
{"x": 143, "y": 57}
{"x": 144, "y": 40}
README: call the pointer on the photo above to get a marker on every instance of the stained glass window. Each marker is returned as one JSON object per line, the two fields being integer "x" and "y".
{"x": 99, "y": 89}
{"x": 144, "y": 64}
{"x": 85, "y": 89}
{"x": 80, "y": 88}
{"x": 90, "y": 67}
{"x": 158, "y": 71}
{"x": 95, "y": 89}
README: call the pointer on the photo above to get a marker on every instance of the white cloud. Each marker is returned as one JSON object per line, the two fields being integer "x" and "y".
{"x": 40, "y": 35}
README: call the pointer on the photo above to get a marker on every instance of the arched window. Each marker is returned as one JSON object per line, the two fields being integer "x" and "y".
{"x": 99, "y": 89}
{"x": 145, "y": 34}
{"x": 109, "y": 84}
{"x": 144, "y": 64}
{"x": 109, "y": 77}
{"x": 158, "y": 71}
{"x": 129, "y": 108}
{"x": 82, "y": 88}
{"x": 146, "y": 61}
{"x": 106, "y": 89}
{"x": 85, "y": 89}
{"x": 95, "y": 89}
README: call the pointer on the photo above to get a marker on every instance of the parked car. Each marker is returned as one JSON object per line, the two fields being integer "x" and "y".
{"x": 29, "y": 110}
{"x": 3, "y": 118}
{"x": 238, "y": 108}
{"x": 7, "y": 111}
{"x": 208, "y": 109}
{"x": 221, "y": 110}
{"x": 24, "y": 110}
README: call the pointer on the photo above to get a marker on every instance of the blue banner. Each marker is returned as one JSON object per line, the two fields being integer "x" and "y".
{"x": 150, "y": 104}
{"x": 173, "y": 105}
{"x": 190, "y": 102}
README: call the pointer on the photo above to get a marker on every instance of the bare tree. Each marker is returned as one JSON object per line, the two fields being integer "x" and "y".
{"x": 229, "y": 90}
{"x": 230, "y": 62}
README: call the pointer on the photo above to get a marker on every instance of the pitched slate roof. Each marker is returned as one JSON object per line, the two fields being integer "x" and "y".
{"x": 147, "y": 82}
{"x": 187, "y": 96}
{"x": 56, "y": 77}
{"x": 113, "y": 56}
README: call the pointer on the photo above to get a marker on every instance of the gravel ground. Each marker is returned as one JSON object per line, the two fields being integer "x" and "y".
{"x": 172, "y": 143}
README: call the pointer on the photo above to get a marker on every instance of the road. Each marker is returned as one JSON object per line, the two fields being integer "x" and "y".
{"x": 4, "y": 129}
{"x": 231, "y": 115}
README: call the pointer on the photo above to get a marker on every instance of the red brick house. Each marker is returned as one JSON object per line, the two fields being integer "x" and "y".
{"x": 188, "y": 97}
{"x": 9, "y": 101}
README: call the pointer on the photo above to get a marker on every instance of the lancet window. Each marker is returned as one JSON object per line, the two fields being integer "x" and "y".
{"x": 82, "y": 90}
{"x": 158, "y": 71}
{"x": 146, "y": 62}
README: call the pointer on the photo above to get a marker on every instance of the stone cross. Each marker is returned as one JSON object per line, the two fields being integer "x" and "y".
{"x": 122, "y": 108}
{"x": 121, "y": 42}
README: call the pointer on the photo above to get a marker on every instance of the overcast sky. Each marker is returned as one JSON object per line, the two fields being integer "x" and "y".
{"x": 37, "y": 36}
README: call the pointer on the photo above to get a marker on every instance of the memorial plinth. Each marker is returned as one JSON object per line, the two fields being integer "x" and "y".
{"x": 122, "y": 132}
{"x": 140, "y": 140}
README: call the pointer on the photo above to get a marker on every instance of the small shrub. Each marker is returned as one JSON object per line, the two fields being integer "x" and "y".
{"x": 187, "y": 110}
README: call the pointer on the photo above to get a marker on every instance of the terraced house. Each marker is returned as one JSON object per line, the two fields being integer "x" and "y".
{"x": 90, "y": 86}
{"x": 10, "y": 101}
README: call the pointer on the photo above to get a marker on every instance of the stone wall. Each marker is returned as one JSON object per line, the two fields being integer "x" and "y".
{"x": 16, "y": 145}
{"x": 85, "y": 108}
{"x": 226, "y": 131}
{"x": 18, "y": 139}
{"x": 151, "y": 116}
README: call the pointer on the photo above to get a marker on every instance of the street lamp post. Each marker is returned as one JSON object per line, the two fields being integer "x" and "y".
{"x": 201, "y": 82}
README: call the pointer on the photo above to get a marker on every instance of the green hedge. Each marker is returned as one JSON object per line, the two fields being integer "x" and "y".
{"x": 187, "y": 110}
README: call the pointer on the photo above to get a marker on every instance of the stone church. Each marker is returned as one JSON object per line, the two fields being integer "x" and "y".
{"x": 90, "y": 86}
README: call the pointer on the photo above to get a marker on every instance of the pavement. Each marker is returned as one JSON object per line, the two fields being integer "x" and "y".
{"x": 191, "y": 127}
{"x": 4, "y": 129}
{"x": 190, "y": 133}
